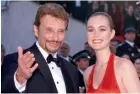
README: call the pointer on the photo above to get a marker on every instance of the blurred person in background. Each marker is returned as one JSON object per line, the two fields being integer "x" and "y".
{"x": 130, "y": 19}
{"x": 91, "y": 53}
{"x": 122, "y": 12}
{"x": 65, "y": 51}
{"x": 81, "y": 60}
{"x": 136, "y": 61}
{"x": 126, "y": 56}
{"x": 128, "y": 47}
{"x": 114, "y": 43}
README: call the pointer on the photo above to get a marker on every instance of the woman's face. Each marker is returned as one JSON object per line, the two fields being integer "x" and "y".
{"x": 99, "y": 32}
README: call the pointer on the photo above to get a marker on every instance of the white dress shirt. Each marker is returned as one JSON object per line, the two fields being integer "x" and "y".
{"x": 55, "y": 71}
{"x": 130, "y": 43}
{"x": 81, "y": 71}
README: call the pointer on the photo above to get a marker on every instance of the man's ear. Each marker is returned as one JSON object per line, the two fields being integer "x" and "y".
{"x": 35, "y": 31}
{"x": 112, "y": 34}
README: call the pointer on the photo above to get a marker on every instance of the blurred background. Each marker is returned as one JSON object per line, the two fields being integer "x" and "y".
{"x": 17, "y": 19}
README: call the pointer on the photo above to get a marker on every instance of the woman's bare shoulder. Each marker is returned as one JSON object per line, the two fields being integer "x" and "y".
{"x": 87, "y": 73}
{"x": 88, "y": 70}
{"x": 128, "y": 75}
{"x": 124, "y": 64}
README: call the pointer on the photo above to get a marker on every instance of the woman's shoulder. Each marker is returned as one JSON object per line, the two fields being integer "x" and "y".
{"x": 88, "y": 70}
{"x": 87, "y": 74}
{"x": 124, "y": 64}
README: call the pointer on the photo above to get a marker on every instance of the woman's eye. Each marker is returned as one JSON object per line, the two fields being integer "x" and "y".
{"x": 102, "y": 29}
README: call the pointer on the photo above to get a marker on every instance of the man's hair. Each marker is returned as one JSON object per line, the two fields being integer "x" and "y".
{"x": 52, "y": 9}
{"x": 86, "y": 43}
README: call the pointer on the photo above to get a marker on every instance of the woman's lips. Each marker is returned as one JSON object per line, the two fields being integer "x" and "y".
{"x": 97, "y": 41}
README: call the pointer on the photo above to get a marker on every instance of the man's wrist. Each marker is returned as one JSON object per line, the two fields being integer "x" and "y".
{"x": 19, "y": 78}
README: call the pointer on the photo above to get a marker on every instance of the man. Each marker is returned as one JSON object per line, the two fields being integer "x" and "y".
{"x": 91, "y": 53}
{"x": 115, "y": 42}
{"x": 82, "y": 62}
{"x": 128, "y": 47}
{"x": 64, "y": 51}
{"x": 130, "y": 19}
{"x": 39, "y": 69}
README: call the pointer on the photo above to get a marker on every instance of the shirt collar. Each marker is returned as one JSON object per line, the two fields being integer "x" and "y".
{"x": 81, "y": 71}
{"x": 43, "y": 52}
{"x": 130, "y": 43}
{"x": 66, "y": 58}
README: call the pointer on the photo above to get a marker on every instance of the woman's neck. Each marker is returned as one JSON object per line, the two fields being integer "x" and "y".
{"x": 102, "y": 56}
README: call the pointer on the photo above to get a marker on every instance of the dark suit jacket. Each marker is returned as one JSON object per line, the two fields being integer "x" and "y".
{"x": 41, "y": 80}
{"x": 81, "y": 80}
{"x": 126, "y": 49}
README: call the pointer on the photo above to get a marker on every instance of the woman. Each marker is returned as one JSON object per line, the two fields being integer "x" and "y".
{"x": 110, "y": 74}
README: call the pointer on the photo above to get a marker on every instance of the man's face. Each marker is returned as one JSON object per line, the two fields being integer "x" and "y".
{"x": 65, "y": 49}
{"x": 130, "y": 36}
{"x": 130, "y": 9}
{"x": 114, "y": 44}
{"x": 137, "y": 65}
{"x": 83, "y": 63}
{"x": 50, "y": 33}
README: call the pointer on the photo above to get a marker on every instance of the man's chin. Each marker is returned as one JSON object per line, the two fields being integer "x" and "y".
{"x": 52, "y": 50}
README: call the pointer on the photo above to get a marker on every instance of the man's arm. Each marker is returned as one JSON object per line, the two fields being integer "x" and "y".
{"x": 8, "y": 69}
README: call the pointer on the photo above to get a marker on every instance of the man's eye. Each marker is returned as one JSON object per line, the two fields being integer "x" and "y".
{"x": 102, "y": 29}
{"x": 90, "y": 30}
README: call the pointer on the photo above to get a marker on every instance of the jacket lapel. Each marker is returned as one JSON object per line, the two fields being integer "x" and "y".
{"x": 67, "y": 79}
{"x": 45, "y": 71}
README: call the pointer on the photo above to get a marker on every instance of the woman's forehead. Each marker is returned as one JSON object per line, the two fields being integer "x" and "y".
{"x": 98, "y": 20}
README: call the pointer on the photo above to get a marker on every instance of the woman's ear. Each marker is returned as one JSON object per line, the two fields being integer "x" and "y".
{"x": 35, "y": 31}
{"x": 112, "y": 34}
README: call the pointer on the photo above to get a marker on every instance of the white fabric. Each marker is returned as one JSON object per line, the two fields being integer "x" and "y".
{"x": 130, "y": 43}
{"x": 81, "y": 71}
{"x": 19, "y": 87}
{"x": 78, "y": 3}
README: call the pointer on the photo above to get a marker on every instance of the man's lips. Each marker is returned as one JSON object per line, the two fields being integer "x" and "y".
{"x": 54, "y": 44}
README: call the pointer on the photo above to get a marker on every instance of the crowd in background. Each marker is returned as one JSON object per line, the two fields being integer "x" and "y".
{"x": 126, "y": 17}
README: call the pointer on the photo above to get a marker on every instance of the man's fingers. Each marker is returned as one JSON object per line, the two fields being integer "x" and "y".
{"x": 34, "y": 68}
{"x": 27, "y": 54}
{"x": 30, "y": 63}
{"x": 20, "y": 51}
{"x": 28, "y": 58}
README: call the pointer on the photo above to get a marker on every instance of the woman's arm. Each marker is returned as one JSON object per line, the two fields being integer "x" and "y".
{"x": 130, "y": 77}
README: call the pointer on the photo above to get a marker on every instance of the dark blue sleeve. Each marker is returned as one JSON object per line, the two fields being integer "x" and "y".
{"x": 8, "y": 69}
